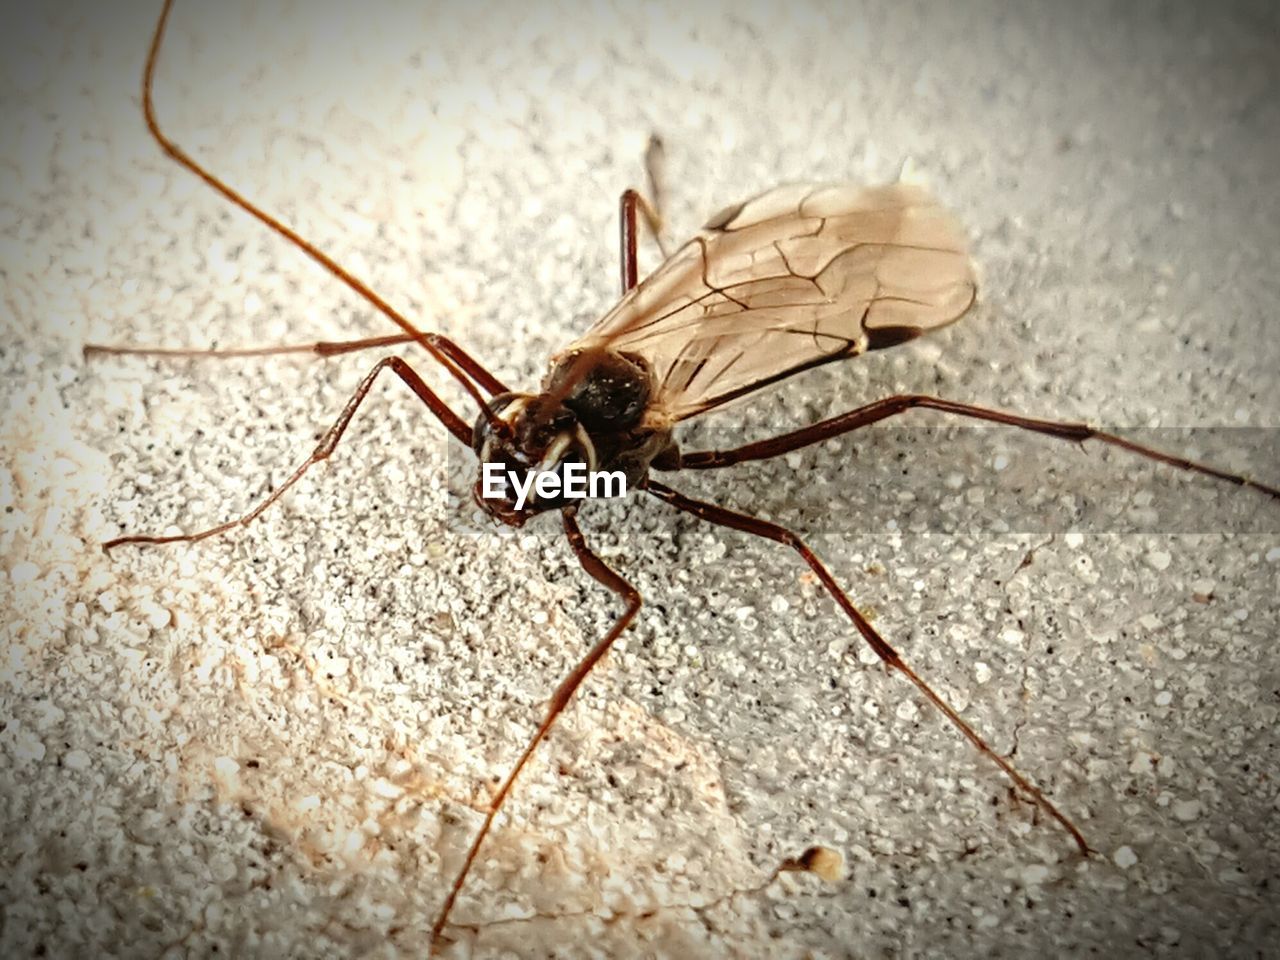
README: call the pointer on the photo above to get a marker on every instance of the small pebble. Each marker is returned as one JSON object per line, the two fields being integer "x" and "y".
{"x": 1186, "y": 810}
{"x": 1125, "y": 858}
{"x": 1150, "y": 622}
{"x": 1035, "y": 874}
{"x": 1084, "y": 569}
{"x": 157, "y": 616}
{"x": 1202, "y": 590}
{"x": 226, "y": 767}
{"x": 23, "y": 572}
{"x": 825, "y": 863}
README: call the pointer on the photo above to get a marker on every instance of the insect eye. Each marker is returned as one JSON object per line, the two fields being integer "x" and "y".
{"x": 504, "y": 407}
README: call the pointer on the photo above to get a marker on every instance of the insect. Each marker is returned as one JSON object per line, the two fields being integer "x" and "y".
{"x": 797, "y": 277}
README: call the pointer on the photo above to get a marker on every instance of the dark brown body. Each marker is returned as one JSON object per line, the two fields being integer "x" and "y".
{"x": 593, "y": 410}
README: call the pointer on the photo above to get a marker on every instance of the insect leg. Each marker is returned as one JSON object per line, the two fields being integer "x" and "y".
{"x": 771, "y": 531}
{"x": 651, "y": 210}
{"x": 322, "y": 348}
{"x": 892, "y": 406}
{"x": 456, "y": 425}
{"x": 601, "y": 572}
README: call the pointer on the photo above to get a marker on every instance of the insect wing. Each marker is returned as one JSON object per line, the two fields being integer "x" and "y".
{"x": 798, "y": 276}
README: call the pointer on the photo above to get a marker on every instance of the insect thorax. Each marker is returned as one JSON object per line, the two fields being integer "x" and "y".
{"x": 611, "y": 394}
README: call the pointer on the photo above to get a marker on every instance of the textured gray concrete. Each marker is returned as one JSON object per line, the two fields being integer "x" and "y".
{"x": 276, "y": 743}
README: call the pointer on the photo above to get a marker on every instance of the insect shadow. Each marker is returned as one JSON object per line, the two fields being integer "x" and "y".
{"x": 800, "y": 276}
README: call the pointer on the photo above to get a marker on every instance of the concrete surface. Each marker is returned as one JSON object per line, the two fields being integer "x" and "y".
{"x": 277, "y": 743}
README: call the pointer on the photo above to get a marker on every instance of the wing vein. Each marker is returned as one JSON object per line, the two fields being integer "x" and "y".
{"x": 796, "y": 277}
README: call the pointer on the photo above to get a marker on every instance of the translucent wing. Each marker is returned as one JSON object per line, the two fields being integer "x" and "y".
{"x": 798, "y": 276}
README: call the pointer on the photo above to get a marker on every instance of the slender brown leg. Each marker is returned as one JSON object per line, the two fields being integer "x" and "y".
{"x": 651, "y": 210}
{"x": 456, "y": 425}
{"x": 771, "y": 531}
{"x": 430, "y": 342}
{"x": 322, "y": 348}
{"x": 601, "y": 572}
{"x": 891, "y": 406}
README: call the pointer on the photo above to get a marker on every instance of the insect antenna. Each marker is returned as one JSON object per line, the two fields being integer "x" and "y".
{"x": 462, "y": 367}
